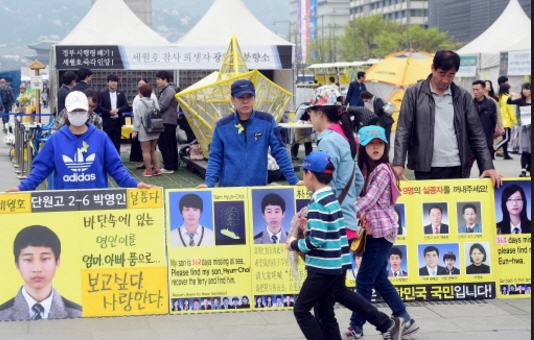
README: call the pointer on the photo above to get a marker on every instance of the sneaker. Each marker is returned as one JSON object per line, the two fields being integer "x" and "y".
{"x": 523, "y": 173}
{"x": 351, "y": 333}
{"x": 140, "y": 166}
{"x": 395, "y": 331}
{"x": 148, "y": 173}
{"x": 410, "y": 329}
{"x": 157, "y": 172}
{"x": 165, "y": 171}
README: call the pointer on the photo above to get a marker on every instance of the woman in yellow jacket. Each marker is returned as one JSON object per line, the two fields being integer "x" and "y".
{"x": 508, "y": 119}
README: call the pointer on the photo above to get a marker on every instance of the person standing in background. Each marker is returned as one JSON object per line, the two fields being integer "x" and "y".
{"x": 168, "y": 143}
{"x": 85, "y": 76}
{"x": 113, "y": 104}
{"x": 524, "y": 106}
{"x": 135, "y": 148}
{"x": 7, "y": 98}
{"x": 355, "y": 89}
{"x": 68, "y": 82}
{"x": 508, "y": 119}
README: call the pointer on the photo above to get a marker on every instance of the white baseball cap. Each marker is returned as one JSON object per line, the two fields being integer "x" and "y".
{"x": 76, "y": 100}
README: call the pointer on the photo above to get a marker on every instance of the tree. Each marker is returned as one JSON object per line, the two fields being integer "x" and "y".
{"x": 375, "y": 37}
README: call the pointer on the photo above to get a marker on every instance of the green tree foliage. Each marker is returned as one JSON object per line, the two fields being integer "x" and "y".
{"x": 375, "y": 37}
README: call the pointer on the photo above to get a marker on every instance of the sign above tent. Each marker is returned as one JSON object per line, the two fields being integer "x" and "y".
{"x": 117, "y": 57}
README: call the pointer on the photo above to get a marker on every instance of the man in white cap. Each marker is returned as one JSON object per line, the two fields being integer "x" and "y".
{"x": 80, "y": 155}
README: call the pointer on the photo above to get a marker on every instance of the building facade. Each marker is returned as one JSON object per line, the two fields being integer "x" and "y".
{"x": 466, "y": 20}
{"x": 400, "y": 11}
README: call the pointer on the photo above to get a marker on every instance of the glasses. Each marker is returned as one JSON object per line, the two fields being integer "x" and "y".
{"x": 514, "y": 200}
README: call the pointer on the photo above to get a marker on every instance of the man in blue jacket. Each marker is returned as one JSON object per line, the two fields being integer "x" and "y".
{"x": 240, "y": 142}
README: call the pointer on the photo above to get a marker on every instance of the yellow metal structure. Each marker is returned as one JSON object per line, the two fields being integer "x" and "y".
{"x": 208, "y": 100}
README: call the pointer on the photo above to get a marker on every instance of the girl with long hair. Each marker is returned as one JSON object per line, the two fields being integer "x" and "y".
{"x": 524, "y": 106}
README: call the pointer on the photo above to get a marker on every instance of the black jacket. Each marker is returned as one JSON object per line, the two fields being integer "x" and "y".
{"x": 105, "y": 106}
{"x": 415, "y": 129}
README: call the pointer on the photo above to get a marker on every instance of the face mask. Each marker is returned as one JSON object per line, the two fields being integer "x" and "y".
{"x": 78, "y": 118}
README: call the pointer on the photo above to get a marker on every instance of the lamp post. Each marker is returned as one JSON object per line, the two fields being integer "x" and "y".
{"x": 36, "y": 65}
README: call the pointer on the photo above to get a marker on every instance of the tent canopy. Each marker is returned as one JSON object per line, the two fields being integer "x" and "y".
{"x": 401, "y": 69}
{"x": 226, "y": 18}
{"x": 509, "y": 32}
{"x": 111, "y": 22}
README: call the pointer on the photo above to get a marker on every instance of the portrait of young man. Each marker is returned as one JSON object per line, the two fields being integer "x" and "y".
{"x": 275, "y": 219}
{"x": 191, "y": 233}
{"x": 37, "y": 251}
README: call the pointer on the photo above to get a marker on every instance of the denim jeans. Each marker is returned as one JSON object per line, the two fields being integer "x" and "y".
{"x": 318, "y": 291}
{"x": 373, "y": 273}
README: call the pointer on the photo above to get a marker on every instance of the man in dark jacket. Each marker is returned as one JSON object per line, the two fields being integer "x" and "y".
{"x": 85, "y": 76}
{"x": 68, "y": 82}
{"x": 377, "y": 104}
{"x": 355, "y": 88}
{"x": 168, "y": 106}
{"x": 439, "y": 128}
{"x": 113, "y": 104}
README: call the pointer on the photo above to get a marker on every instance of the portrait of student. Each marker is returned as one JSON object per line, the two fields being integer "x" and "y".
{"x": 478, "y": 258}
{"x": 37, "y": 251}
{"x": 398, "y": 213}
{"x": 431, "y": 260}
{"x": 276, "y": 211}
{"x": 515, "y": 207}
{"x": 449, "y": 258}
{"x": 192, "y": 233}
{"x": 468, "y": 217}
{"x": 395, "y": 259}
{"x": 435, "y": 216}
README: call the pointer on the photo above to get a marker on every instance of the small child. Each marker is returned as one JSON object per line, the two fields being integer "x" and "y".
{"x": 326, "y": 250}
{"x": 376, "y": 206}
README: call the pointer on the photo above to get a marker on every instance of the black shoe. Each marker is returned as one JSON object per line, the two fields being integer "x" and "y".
{"x": 140, "y": 166}
{"x": 295, "y": 158}
{"x": 523, "y": 173}
{"x": 507, "y": 157}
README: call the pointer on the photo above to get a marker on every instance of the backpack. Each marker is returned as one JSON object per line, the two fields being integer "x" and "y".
{"x": 153, "y": 121}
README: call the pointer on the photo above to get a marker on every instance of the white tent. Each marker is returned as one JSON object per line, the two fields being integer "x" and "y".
{"x": 111, "y": 22}
{"x": 262, "y": 48}
{"x": 511, "y": 31}
{"x": 226, "y": 18}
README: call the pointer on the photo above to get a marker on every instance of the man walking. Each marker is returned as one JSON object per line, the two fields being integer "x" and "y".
{"x": 355, "y": 89}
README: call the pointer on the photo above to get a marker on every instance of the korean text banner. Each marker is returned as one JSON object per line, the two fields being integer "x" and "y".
{"x": 83, "y": 253}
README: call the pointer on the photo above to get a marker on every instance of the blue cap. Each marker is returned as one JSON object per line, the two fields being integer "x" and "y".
{"x": 367, "y": 133}
{"x": 242, "y": 87}
{"x": 317, "y": 161}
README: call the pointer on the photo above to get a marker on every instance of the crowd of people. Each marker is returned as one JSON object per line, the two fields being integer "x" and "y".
{"x": 442, "y": 130}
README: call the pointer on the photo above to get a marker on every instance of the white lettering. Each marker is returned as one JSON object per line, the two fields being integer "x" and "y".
{"x": 79, "y": 177}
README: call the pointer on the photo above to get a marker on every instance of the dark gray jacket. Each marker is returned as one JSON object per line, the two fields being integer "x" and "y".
{"x": 415, "y": 129}
{"x": 168, "y": 106}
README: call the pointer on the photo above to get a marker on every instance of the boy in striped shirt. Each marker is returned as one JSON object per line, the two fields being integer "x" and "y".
{"x": 326, "y": 249}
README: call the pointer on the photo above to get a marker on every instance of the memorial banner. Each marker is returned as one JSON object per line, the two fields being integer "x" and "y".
{"x": 209, "y": 257}
{"x": 83, "y": 253}
{"x": 513, "y": 211}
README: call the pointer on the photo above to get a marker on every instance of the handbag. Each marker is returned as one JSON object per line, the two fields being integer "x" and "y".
{"x": 358, "y": 244}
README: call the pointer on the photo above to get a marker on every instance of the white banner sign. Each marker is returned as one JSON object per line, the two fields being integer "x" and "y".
{"x": 519, "y": 63}
{"x": 195, "y": 57}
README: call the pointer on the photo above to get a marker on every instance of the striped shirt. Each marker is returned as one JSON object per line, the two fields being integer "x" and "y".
{"x": 376, "y": 204}
{"x": 325, "y": 246}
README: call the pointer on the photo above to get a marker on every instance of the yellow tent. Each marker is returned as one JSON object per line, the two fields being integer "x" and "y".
{"x": 389, "y": 78}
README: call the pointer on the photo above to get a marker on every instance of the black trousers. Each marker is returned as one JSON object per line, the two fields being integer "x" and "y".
{"x": 113, "y": 129}
{"x": 168, "y": 146}
{"x": 317, "y": 291}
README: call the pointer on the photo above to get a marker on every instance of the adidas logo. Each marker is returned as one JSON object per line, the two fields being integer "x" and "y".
{"x": 79, "y": 164}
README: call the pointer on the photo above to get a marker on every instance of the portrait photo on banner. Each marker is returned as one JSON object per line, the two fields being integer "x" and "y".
{"x": 513, "y": 207}
{"x": 469, "y": 217}
{"x": 433, "y": 259}
{"x": 477, "y": 257}
{"x": 191, "y": 219}
{"x": 435, "y": 218}
{"x": 397, "y": 261}
{"x": 229, "y": 219}
{"x": 400, "y": 215}
{"x": 272, "y": 210}
{"x": 41, "y": 275}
